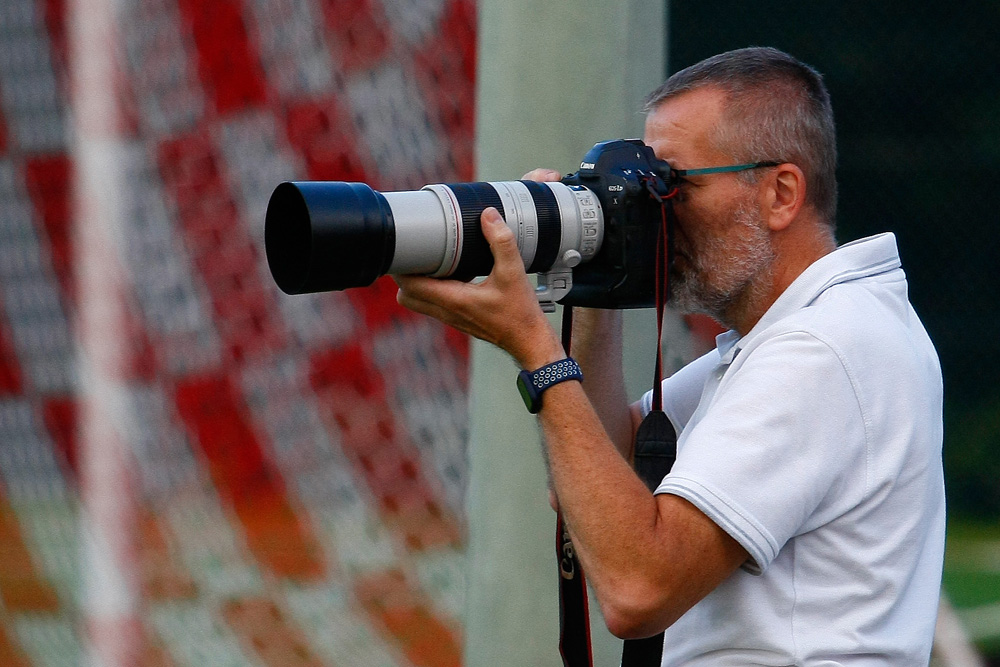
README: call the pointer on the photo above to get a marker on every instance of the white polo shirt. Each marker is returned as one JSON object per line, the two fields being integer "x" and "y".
{"x": 815, "y": 441}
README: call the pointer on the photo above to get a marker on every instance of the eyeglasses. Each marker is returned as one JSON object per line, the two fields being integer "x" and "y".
{"x": 724, "y": 170}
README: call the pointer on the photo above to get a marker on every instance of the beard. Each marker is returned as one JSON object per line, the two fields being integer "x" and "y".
{"x": 725, "y": 274}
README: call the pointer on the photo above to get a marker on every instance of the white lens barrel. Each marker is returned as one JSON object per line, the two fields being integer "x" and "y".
{"x": 586, "y": 231}
{"x": 424, "y": 227}
{"x": 429, "y": 227}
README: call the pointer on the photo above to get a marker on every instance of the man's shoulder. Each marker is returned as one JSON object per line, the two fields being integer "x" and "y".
{"x": 867, "y": 335}
{"x": 858, "y": 315}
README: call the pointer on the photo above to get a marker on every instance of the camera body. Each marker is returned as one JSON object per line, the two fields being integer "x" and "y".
{"x": 622, "y": 174}
{"x": 591, "y": 238}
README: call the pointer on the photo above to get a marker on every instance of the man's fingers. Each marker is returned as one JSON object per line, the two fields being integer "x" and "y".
{"x": 449, "y": 301}
{"x": 542, "y": 175}
{"x": 427, "y": 298}
{"x": 503, "y": 245}
{"x": 415, "y": 291}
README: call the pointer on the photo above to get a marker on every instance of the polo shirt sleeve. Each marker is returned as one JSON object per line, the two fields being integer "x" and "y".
{"x": 778, "y": 449}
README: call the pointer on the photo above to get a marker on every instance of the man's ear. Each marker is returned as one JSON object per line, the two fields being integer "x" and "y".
{"x": 785, "y": 195}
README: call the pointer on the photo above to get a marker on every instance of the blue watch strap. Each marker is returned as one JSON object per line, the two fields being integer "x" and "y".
{"x": 531, "y": 384}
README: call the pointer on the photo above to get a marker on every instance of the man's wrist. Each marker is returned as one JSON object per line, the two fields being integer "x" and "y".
{"x": 541, "y": 355}
{"x": 540, "y": 347}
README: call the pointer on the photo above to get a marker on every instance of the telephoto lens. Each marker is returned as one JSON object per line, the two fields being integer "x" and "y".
{"x": 323, "y": 236}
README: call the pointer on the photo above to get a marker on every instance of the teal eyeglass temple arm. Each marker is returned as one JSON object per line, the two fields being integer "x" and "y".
{"x": 724, "y": 170}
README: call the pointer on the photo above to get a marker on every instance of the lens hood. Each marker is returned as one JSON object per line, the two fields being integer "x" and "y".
{"x": 321, "y": 236}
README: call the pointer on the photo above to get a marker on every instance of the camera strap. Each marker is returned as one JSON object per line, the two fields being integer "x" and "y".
{"x": 654, "y": 453}
{"x": 655, "y": 440}
{"x": 574, "y": 614}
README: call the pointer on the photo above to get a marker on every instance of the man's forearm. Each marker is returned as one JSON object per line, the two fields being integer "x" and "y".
{"x": 649, "y": 558}
{"x": 597, "y": 347}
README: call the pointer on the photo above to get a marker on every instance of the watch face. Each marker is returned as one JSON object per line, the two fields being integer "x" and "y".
{"x": 526, "y": 394}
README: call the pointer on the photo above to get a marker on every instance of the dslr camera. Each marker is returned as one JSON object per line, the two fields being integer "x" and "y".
{"x": 591, "y": 237}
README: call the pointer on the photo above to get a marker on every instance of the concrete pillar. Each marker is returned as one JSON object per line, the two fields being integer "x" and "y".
{"x": 554, "y": 79}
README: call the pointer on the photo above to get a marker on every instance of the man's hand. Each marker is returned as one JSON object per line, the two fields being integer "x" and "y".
{"x": 502, "y": 309}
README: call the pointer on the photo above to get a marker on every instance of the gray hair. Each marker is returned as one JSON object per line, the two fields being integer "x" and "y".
{"x": 776, "y": 109}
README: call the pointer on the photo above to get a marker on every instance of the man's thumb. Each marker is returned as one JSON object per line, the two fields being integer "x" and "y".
{"x": 499, "y": 235}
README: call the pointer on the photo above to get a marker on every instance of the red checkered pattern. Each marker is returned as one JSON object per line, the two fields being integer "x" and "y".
{"x": 196, "y": 469}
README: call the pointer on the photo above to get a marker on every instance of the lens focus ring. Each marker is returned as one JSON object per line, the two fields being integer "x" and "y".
{"x": 473, "y": 199}
{"x": 549, "y": 226}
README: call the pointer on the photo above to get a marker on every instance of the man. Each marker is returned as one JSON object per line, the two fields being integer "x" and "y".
{"x": 803, "y": 522}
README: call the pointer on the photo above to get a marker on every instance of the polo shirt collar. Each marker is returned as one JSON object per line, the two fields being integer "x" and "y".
{"x": 863, "y": 258}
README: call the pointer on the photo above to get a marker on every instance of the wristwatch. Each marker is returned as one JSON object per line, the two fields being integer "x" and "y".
{"x": 531, "y": 384}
